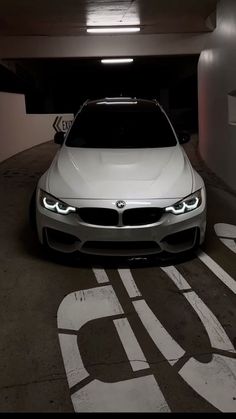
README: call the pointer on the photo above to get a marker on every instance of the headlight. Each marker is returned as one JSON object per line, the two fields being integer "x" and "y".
{"x": 187, "y": 204}
{"x": 55, "y": 205}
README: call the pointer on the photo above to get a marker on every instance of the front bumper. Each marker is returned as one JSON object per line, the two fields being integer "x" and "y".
{"x": 172, "y": 233}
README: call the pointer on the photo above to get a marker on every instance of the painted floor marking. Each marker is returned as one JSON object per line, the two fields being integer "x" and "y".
{"x": 171, "y": 350}
{"x": 131, "y": 345}
{"x": 136, "y": 395}
{"x": 215, "y": 381}
{"x": 176, "y": 277}
{"x": 217, "y": 270}
{"x": 77, "y": 309}
{"x": 74, "y": 366}
{"x": 129, "y": 284}
{"x": 80, "y": 307}
{"x": 101, "y": 275}
{"x": 227, "y": 235}
{"x": 215, "y": 331}
{"x": 230, "y": 243}
{"x": 225, "y": 230}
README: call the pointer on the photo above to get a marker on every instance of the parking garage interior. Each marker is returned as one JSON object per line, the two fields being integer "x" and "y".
{"x": 112, "y": 334}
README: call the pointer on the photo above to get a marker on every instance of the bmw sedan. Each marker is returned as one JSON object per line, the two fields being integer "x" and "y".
{"x": 121, "y": 184}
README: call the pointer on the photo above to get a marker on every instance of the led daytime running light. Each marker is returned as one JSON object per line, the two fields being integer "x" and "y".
{"x": 52, "y": 207}
{"x": 184, "y": 207}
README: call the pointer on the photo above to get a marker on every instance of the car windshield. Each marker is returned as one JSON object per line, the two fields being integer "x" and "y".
{"x": 121, "y": 126}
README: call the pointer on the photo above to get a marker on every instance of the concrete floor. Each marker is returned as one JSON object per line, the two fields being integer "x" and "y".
{"x": 32, "y": 287}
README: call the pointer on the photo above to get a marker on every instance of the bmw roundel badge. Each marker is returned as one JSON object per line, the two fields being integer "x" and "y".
{"x": 120, "y": 204}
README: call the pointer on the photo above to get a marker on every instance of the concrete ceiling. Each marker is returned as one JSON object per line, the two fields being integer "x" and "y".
{"x": 71, "y": 17}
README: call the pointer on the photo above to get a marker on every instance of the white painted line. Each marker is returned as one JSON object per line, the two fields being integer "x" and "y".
{"x": 75, "y": 311}
{"x": 136, "y": 395}
{"x": 215, "y": 331}
{"x": 225, "y": 230}
{"x": 176, "y": 277}
{"x": 227, "y": 235}
{"x": 171, "y": 350}
{"x": 214, "y": 381}
{"x": 75, "y": 370}
{"x": 129, "y": 283}
{"x": 230, "y": 243}
{"x": 131, "y": 346}
{"x": 101, "y": 276}
{"x": 217, "y": 270}
{"x": 80, "y": 307}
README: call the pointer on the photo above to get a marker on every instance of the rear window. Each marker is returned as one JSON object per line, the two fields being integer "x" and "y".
{"x": 121, "y": 126}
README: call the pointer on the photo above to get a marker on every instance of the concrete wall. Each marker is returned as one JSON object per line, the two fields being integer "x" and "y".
{"x": 19, "y": 131}
{"x": 217, "y": 96}
{"x": 101, "y": 46}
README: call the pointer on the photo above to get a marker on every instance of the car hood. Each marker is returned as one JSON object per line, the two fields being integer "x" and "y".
{"x": 120, "y": 173}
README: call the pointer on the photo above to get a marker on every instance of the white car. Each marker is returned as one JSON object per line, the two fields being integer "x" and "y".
{"x": 121, "y": 184}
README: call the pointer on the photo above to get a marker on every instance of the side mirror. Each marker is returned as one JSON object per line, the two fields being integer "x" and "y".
{"x": 59, "y": 137}
{"x": 183, "y": 136}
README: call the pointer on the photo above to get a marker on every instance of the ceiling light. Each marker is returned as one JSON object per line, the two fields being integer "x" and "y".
{"x": 116, "y": 60}
{"x": 114, "y": 30}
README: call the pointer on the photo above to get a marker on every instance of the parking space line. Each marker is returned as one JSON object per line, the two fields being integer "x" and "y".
{"x": 217, "y": 270}
{"x": 129, "y": 284}
{"x": 101, "y": 276}
{"x": 131, "y": 345}
{"x": 171, "y": 350}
